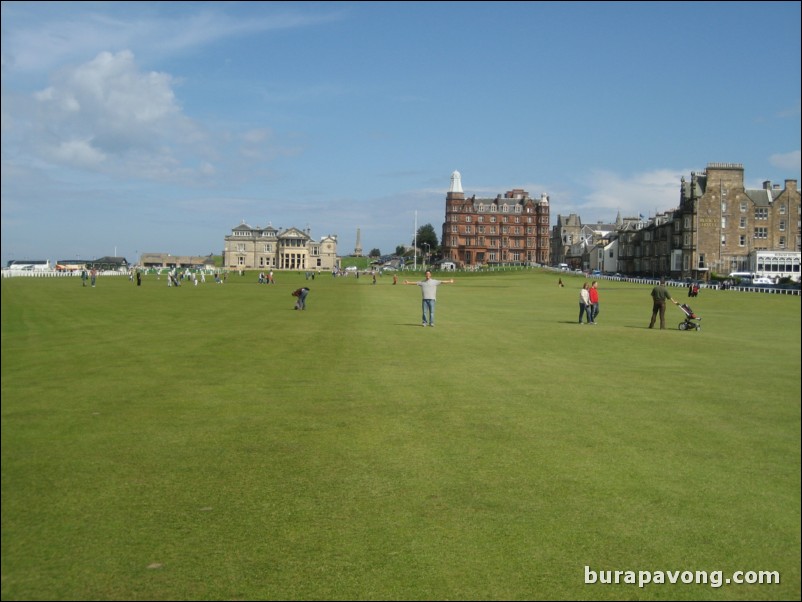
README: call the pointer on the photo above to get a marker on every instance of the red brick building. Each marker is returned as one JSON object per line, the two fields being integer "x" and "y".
{"x": 508, "y": 229}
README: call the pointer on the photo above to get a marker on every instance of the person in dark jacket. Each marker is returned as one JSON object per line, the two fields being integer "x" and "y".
{"x": 660, "y": 295}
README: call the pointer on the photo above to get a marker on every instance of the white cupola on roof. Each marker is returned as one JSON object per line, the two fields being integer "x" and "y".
{"x": 456, "y": 182}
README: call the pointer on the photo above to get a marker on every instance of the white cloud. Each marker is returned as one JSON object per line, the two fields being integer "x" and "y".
{"x": 791, "y": 111}
{"x": 77, "y": 152}
{"x": 787, "y": 161}
{"x": 76, "y": 34}
{"x": 108, "y": 114}
{"x": 609, "y": 193}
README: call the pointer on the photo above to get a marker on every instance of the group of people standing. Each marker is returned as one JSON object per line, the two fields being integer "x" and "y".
{"x": 588, "y": 302}
{"x": 91, "y": 276}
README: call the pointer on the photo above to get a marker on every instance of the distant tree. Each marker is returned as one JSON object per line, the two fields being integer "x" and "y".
{"x": 375, "y": 253}
{"x": 400, "y": 250}
{"x": 427, "y": 235}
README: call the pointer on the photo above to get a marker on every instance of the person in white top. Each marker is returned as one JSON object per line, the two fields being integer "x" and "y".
{"x": 584, "y": 303}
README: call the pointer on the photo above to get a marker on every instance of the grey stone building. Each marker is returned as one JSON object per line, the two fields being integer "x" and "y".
{"x": 720, "y": 222}
{"x": 719, "y": 227}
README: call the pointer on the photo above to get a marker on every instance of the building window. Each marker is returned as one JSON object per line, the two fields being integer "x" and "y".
{"x": 761, "y": 213}
{"x": 723, "y": 222}
{"x": 761, "y": 233}
{"x": 742, "y": 240}
{"x": 742, "y": 222}
{"x": 723, "y": 240}
{"x": 743, "y": 207}
{"x": 781, "y": 225}
{"x": 782, "y": 209}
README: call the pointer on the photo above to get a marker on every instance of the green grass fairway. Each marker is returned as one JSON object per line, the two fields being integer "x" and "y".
{"x": 211, "y": 443}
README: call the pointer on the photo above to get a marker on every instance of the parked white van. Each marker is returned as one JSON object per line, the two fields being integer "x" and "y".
{"x": 448, "y": 266}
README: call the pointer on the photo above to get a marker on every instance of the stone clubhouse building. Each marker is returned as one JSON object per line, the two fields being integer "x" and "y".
{"x": 268, "y": 248}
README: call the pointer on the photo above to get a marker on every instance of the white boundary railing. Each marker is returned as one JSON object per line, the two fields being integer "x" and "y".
{"x": 7, "y": 273}
{"x": 770, "y": 290}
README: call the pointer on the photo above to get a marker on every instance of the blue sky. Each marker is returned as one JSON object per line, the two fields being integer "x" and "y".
{"x": 131, "y": 127}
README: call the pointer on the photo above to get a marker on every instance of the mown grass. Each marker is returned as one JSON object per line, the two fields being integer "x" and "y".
{"x": 212, "y": 443}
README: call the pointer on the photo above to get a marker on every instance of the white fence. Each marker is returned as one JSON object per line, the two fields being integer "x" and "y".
{"x": 770, "y": 290}
{"x": 7, "y": 273}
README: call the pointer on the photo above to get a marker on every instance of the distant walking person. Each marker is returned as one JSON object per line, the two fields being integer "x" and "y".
{"x": 429, "y": 293}
{"x": 660, "y": 295}
{"x": 593, "y": 293}
{"x": 584, "y": 303}
{"x": 301, "y": 293}
{"x": 93, "y": 277}
{"x": 138, "y": 278}
{"x": 84, "y": 276}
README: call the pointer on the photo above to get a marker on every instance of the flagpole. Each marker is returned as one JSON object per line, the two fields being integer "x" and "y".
{"x": 415, "y": 250}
